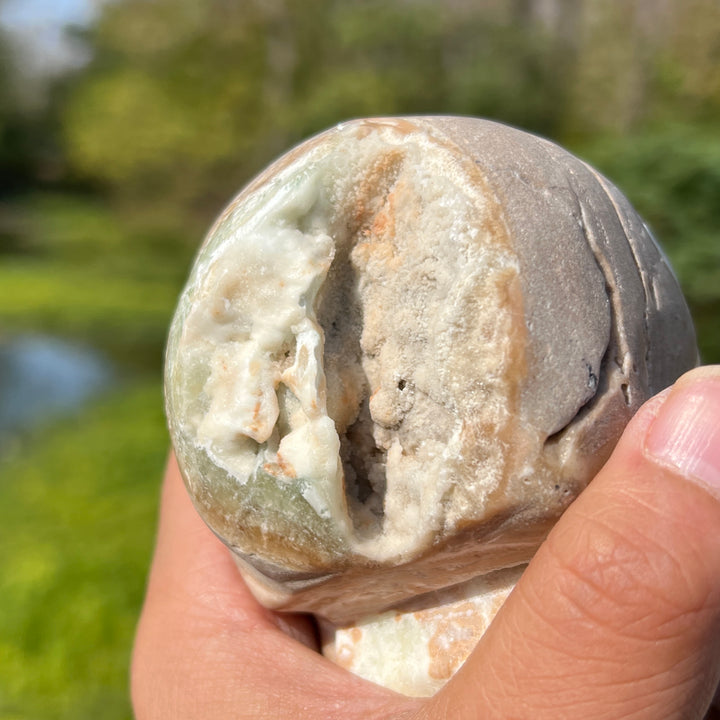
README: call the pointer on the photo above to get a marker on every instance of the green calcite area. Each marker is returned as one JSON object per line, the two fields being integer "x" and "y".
{"x": 264, "y": 512}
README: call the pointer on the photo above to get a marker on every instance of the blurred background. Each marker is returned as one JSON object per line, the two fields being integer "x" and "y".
{"x": 126, "y": 125}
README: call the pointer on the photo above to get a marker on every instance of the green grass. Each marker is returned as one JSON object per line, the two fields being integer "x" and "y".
{"x": 124, "y": 315}
{"x": 67, "y": 297}
{"x": 77, "y": 515}
{"x": 71, "y": 267}
{"x": 64, "y": 298}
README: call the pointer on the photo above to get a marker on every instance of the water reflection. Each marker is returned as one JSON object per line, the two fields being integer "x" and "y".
{"x": 42, "y": 377}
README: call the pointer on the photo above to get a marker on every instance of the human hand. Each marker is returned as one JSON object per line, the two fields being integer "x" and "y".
{"x": 617, "y": 616}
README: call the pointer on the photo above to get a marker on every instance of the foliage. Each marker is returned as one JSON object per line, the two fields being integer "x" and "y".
{"x": 187, "y": 100}
{"x": 77, "y": 513}
{"x": 16, "y": 150}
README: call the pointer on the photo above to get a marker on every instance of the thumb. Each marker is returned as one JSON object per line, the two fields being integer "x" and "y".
{"x": 618, "y": 615}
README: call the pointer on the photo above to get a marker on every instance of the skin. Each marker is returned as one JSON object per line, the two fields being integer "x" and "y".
{"x": 617, "y": 616}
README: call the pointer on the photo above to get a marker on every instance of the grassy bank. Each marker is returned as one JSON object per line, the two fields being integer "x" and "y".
{"x": 77, "y": 514}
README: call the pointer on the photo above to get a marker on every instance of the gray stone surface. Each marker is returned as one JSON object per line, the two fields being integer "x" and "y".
{"x": 488, "y": 316}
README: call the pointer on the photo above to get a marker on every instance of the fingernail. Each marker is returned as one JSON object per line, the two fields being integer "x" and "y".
{"x": 685, "y": 434}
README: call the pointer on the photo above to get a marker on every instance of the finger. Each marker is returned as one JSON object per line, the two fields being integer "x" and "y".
{"x": 206, "y": 649}
{"x": 618, "y": 615}
{"x": 193, "y": 568}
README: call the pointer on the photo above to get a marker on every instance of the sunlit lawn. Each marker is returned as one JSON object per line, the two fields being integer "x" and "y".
{"x": 77, "y": 516}
{"x": 65, "y": 296}
{"x": 78, "y": 498}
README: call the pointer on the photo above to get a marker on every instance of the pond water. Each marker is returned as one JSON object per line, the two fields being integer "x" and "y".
{"x": 42, "y": 377}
